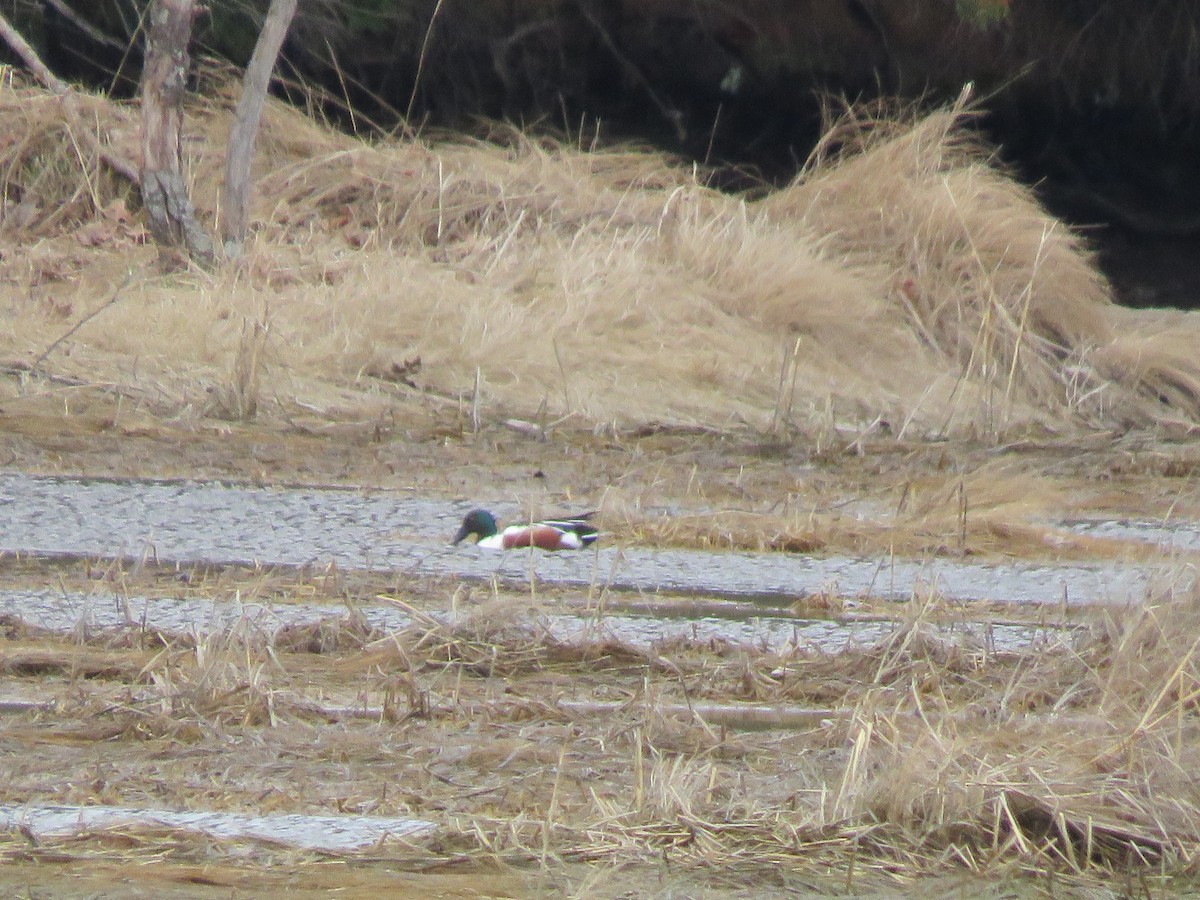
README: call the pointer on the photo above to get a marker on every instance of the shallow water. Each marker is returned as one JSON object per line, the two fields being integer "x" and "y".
{"x": 86, "y": 614}
{"x": 193, "y": 522}
{"x": 1166, "y": 536}
{"x": 329, "y": 833}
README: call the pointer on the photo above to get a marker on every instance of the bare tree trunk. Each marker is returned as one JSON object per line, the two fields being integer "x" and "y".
{"x": 235, "y": 198}
{"x": 164, "y": 85}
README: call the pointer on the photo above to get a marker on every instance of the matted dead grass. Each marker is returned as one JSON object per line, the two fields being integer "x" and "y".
{"x": 904, "y": 283}
{"x": 916, "y": 755}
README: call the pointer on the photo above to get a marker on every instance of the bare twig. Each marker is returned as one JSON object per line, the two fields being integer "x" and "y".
{"x": 32, "y": 61}
{"x": 116, "y": 295}
{"x": 93, "y": 33}
{"x": 670, "y": 114}
{"x": 412, "y": 99}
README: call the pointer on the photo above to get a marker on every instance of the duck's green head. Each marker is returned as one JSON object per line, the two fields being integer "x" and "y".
{"x": 478, "y": 522}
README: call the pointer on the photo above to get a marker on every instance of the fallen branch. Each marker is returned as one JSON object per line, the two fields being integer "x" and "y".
{"x": 739, "y": 716}
{"x": 20, "y": 707}
{"x": 70, "y": 101}
{"x": 32, "y": 61}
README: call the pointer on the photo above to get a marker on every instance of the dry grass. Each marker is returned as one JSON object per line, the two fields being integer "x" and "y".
{"x": 904, "y": 283}
{"x": 1074, "y": 757}
{"x": 998, "y": 508}
{"x": 1113, "y": 785}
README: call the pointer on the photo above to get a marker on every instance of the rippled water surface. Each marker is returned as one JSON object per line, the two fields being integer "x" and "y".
{"x": 87, "y": 613}
{"x": 199, "y": 522}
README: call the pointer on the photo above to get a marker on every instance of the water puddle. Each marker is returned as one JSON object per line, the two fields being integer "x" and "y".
{"x": 328, "y": 833}
{"x": 193, "y": 522}
{"x": 1165, "y": 536}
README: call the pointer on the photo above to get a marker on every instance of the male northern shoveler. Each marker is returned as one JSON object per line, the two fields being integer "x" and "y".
{"x": 550, "y": 534}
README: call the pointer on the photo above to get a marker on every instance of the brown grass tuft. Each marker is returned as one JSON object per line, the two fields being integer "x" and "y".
{"x": 905, "y": 281}
{"x": 494, "y": 639}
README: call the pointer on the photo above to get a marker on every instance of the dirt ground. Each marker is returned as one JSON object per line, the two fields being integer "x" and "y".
{"x": 473, "y": 727}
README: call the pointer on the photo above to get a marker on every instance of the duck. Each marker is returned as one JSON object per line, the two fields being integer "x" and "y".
{"x": 574, "y": 533}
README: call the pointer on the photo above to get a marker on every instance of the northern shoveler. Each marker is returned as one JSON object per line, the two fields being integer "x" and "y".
{"x": 550, "y": 534}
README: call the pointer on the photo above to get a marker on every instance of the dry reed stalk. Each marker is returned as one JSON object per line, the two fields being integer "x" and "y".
{"x": 1057, "y": 796}
{"x": 238, "y": 399}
